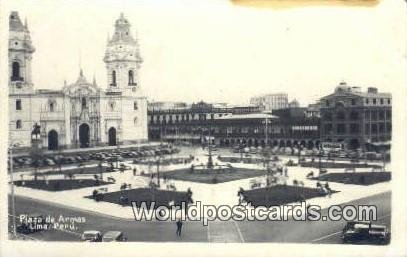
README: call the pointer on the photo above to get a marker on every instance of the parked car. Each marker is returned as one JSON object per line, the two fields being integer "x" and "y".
{"x": 37, "y": 163}
{"x": 343, "y": 155}
{"x": 365, "y": 232}
{"x": 166, "y": 151}
{"x": 100, "y": 156}
{"x": 69, "y": 160}
{"x": 49, "y": 162}
{"x": 78, "y": 158}
{"x": 124, "y": 166}
{"x": 114, "y": 236}
{"x": 91, "y": 236}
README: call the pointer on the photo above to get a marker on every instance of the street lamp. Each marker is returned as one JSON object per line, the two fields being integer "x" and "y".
{"x": 320, "y": 156}
{"x": 158, "y": 170}
{"x": 13, "y": 206}
{"x": 266, "y": 127}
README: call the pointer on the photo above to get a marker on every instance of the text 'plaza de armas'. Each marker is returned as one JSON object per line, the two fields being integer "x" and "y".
{"x": 82, "y": 114}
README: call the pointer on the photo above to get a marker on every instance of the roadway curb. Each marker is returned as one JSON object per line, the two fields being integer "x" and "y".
{"x": 76, "y": 209}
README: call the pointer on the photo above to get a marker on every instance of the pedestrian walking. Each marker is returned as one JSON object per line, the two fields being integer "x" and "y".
{"x": 179, "y": 227}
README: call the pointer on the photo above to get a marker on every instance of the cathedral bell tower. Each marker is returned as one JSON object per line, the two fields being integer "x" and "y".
{"x": 122, "y": 59}
{"x": 20, "y": 53}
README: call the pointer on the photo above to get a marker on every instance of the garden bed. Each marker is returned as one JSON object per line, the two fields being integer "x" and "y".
{"x": 280, "y": 194}
{"x": 60, "y": 184}
{"x": 147, "y": 195}
{"x": 356, "y": 178}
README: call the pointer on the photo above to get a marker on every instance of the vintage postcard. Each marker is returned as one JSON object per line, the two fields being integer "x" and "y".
{"x": 206, "y": 128}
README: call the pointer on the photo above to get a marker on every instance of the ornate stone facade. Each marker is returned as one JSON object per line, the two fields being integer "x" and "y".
{"x": 81, "y": 114}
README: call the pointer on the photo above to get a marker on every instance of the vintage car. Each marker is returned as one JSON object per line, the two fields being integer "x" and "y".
{"x": 365, "y": 232}
{"x": 114, "y": 236}
{"x": 91, "y": 236}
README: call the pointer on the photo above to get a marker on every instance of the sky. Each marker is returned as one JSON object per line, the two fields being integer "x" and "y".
{"x": 218, "y": 52}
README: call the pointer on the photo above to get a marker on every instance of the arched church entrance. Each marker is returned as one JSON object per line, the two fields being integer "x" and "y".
{"x": 112, "y": 136}
{"x": 84, "y": 135}
{"x": 52, "y": 140}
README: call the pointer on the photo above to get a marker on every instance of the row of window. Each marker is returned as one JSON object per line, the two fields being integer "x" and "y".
{"x": 131, "y": 80}
{"x": 354, "y": 115}
{"x": 373, "y": 115}
{"x": 233, "y": 132}
{"x": 354, "y": 128}
{"x": 52, "y": 105}
{"x": 19, "y": 123}
{"x": 374, "y": 101}
{"x": 341, "y": 115}
{"x": 179, "y": 118}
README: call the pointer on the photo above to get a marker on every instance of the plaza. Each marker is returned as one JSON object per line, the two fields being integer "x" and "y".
{"x": 222, "y": 193}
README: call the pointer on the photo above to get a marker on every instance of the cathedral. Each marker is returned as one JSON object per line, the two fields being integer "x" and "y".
{"x": 81, "y": 114}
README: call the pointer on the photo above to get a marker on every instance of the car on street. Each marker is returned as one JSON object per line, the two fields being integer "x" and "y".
{"x": 114, "y": 236}
{"x": 49, "y": 162}
{"x": 91, "y": 236}
{"x": 124, "y": 167}
{"x": 68, "y": 160}
{"x": 365, "y": 232}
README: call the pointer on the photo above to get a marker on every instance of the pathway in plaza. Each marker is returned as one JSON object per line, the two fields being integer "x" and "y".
{"x": 209, "y": 194}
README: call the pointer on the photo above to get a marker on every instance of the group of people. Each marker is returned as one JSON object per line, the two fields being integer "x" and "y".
{"x": 326, "y": 189}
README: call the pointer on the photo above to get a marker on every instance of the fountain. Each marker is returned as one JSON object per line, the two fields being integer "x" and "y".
{"x": 210, "y": 166}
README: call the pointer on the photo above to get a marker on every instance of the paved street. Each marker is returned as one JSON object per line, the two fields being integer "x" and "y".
{"x": 244, "y": 231}
{"x": 311, "y": 231}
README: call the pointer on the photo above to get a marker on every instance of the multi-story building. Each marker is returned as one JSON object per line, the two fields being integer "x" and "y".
{"x": 183, "y": 123}
{"x": 80, "y": 114}
{"x": 271, "y": 101}
{"x": 227, "y": 126}
{"x": 284, "y": 127}
{"x": 355, "y": 118}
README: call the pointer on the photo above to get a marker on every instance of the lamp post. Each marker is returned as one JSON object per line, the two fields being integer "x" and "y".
{"x": 101, "y": 169}
{"x": 210, "y": 161}
{"x": 13, "y": 206}
{"x": 320, "y": 156}
{"x": 158, "y": 170}
{"x": 266, "y": 130}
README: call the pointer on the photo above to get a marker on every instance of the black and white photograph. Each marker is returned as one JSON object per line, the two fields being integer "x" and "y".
{"x": 254, "y": 128}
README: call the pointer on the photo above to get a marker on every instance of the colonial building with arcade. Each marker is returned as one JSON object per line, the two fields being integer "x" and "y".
{"x": 81, "y": 114}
